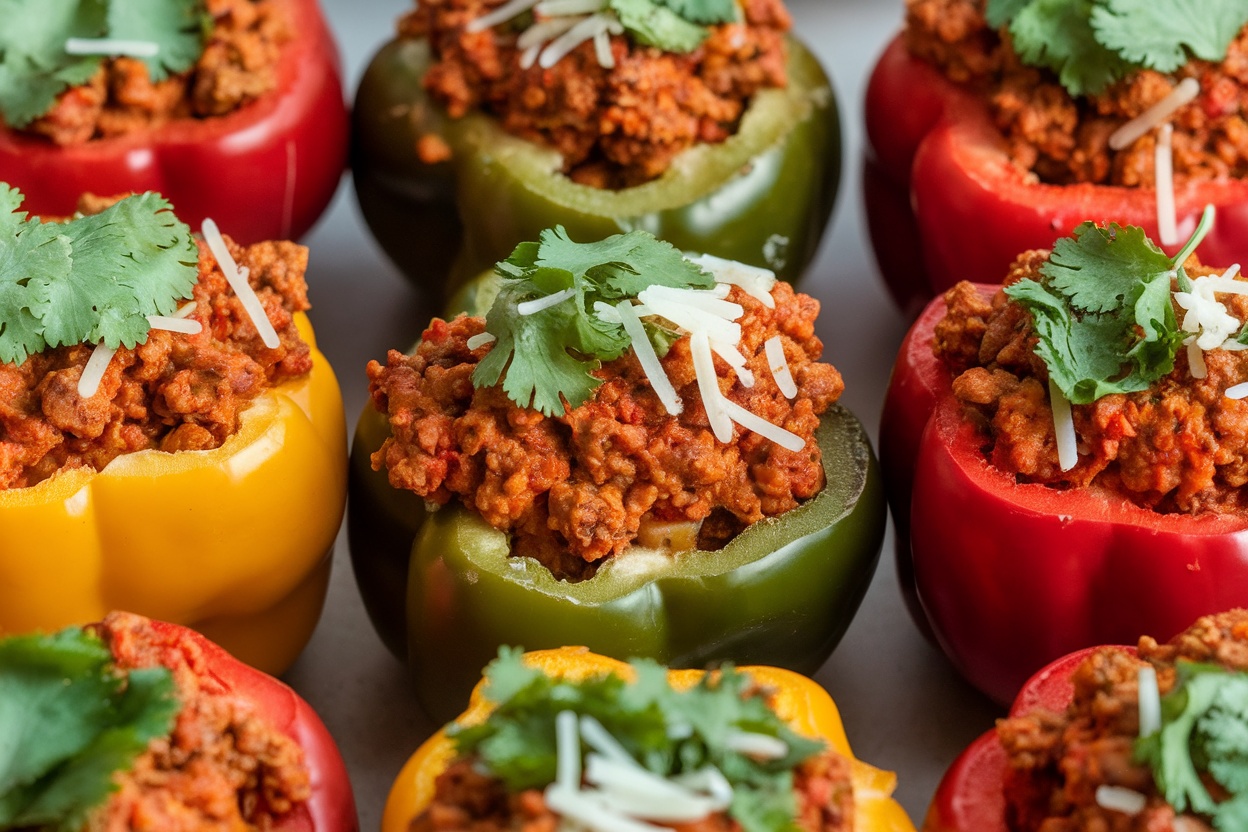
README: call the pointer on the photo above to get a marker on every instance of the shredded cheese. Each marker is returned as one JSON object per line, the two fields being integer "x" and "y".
{"x": 1211, "y": 325}
{"x": 581, "y": 808}
{"x": 599, "y": 738}
{"x": 1149, "y": 696}
{"x": 759, "y": 746}
{"x": 602, "y": 50}
{"x": 1163, "y": 161}
{"x": 733, "y": 357}
{"x": 237, "y": 278}
{"x": 112, "y": 47}
{"x": 93, "y": 372}
{"x": 480, "y": 340}
{"x": 753, "y": 422}
{"x": 708, "y": 386}
{"x": 1237, "y": 391}
{"x": 174, "y": 324}
{"x": 567, "y": 750}
{"x": 562, "y": 46}
{"x": 1063, "y": 428}
{"x": 1120, "y": 799}
{"x": 631, "y": 790}
{"x": 649, "y": 359}
{"x": 779, "y": 365}
{"x": 1183, "y": 93}
{"x": 531, "y": 307}
{"x": 756, "y": 282}
{"x": 502, "y": 14}
{"x": 565, "y": 7}
{"x": 186, "y": 310}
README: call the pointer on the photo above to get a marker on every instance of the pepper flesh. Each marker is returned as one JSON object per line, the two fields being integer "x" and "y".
{"x": 800, "y": 701}
{"x": 783, "y": 591}
{"x": 1011, "y": 575}
{"x": 234, "y": 541}
{"x": 761, "y": 197}
{"x": 945, "y": 202}
{"x": 265, "y": 171}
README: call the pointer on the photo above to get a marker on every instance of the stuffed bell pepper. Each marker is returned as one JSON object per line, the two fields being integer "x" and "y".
{"x": 994, "y": 125}
{"x": 171, "y": 441}
{"x": 485, "y": 122}
{"x": 137, "y": 724}
{"x": 629, "y": 450}
{"x": 568, "y": 735}
{"x": 233, "y": 109}
{"x": 1114, "y": 738}
{"x": 1070, "y": 453}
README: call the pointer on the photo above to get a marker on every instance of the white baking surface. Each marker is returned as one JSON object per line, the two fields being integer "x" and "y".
{"x": 903, "y": 706}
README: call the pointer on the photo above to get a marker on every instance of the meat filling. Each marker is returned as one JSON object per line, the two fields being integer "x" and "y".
{"x": 614, "y": 127}
{"x": 1064, "y": 140}
{"x": 238, "y": 65}
{"x": 222, "y": 768}
{"x": 176, "y": 392}
{"x": 576, "y": 488}
{"x": 1057, "y": 760}
{"x": 1180, "y": 446}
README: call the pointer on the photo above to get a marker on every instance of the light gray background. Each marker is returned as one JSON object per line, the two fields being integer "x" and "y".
{"x": 904, "y": 708}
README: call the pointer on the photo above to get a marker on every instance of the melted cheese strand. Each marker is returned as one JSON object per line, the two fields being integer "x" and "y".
{"x": 112, "y": 47}
{"x": 93, "y": 372}
{"x": 774, "y": 348}
{"x": 170, "y": 323}
{"x": 1163, "y": 160}
{"x": 708, "y": 386}
{"x": 237, "y": 278}
{"x": 502, "y": 14}
{"x": 1063, "y": 428}
{"x": 1183, "y": 93}
{"x": 649, "y": 359}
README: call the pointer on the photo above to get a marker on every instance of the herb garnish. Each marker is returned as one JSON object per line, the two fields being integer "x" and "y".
{"x": 547, "y": 357}
{"x": 68, "y": 721}
{"x": 1204, "y": 734}
{"x": 668, "y": 732}
{"x": 35, "y": 68}
{"x": 92, "y": 279}
{"x": 1092, "y": 43}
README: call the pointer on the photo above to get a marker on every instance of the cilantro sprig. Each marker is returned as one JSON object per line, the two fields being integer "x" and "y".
{"x": 547, "y": 358}
{"x": 92, "y": 279}
{"x": 517, "y": 741}
{"x": 35, "y": 68}
{"x": 68, "y": 722}
{"x": 1092, "y": 43}
{"x": 1204, "y": 734}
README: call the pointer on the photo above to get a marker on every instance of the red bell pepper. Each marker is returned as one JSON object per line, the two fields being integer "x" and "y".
{"x": 265, "y": 171}
{"x": 970, "y": 797}
{"x": 1011, "y": 575}
{"x": 945, "y": 203}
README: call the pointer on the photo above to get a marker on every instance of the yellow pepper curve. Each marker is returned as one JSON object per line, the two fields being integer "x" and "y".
{"x": 805, "y": 705}
{"x": 234, "y": 542}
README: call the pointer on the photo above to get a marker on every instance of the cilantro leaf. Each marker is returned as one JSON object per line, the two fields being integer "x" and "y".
{"x": 1000, "y": 12}
{"x": 1154, "y": 34}
{"x": 1058, "y": 35}
{"x": 1103, "y": 312}
{"x": 1204, "y": 729}
{"x": 658, "y": 26}
{"x": 178, "y": 27}
{"x": 68, "y": 722}
{"x": 34, "y": 67}
{"x": 703, "y": 11}
{"x": 548, "y": 357}
{"x": 29, "y": 252}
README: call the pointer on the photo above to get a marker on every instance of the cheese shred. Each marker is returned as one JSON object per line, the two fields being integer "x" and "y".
{"x": 1063, "y": 428}
{"x": 1163, "y": 158}
{"x": 93, "y": 372}
{"x": 237, "y": 278}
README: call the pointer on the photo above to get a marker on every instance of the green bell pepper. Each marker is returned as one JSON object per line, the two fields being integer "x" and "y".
{"x": 762, "y": 197}
{"x": 444, "y": 593}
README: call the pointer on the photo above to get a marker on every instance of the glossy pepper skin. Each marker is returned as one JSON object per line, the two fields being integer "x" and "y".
{"x": 265, "y": 171}
{"x": 331, "y": 807}
{"x": 806, "y": 706}
{"x": 443, "y": 592}
{"x": 762, "y": 197}
{"x": 945, "y": 203}
{"x": 234, "y": 542}
{"x": 1009, "y": 575}
{"x": 970, "y": 797}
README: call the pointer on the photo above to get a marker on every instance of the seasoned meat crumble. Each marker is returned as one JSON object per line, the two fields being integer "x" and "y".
{"x": 577, "y": 488}
{"x": 1064, "y": 140}
{"x": 614, "y": 127}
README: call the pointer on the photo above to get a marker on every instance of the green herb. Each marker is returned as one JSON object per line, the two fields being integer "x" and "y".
{"x": 68, "y": 722}
{"x": 517, "y": 741}
{"x": 548, "y": 357}
{"x": 1092, "y": 43}
{"x": 92, "y": 279}
{"x": 1204, "y": 734}
{"x": 35, "y": 68}
{"x": 1103, "y": 312}
{"x": 658, "y": 25}
{"x": 704, "y": 11}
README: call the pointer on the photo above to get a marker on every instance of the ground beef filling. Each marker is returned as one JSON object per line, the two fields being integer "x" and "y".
{"x": 1064, "y": 140}
{"x": 614, "y": 127}
{"x": 222, "y": 768}
{"x": 577, "y": 488}
{"x": 1057, "y": 760}
{"x": 175, "y": 392}
{"x": 468, "y": 800}
{"x": 238, "y": 65}
{"x": 1181, "y": 446}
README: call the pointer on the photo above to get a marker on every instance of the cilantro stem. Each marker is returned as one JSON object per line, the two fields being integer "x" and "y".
{"x": 1202, "y": 230}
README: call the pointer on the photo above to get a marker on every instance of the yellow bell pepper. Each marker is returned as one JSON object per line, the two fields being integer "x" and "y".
{"x": 234, "y": 542}
{"x": 805, "y": 705}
